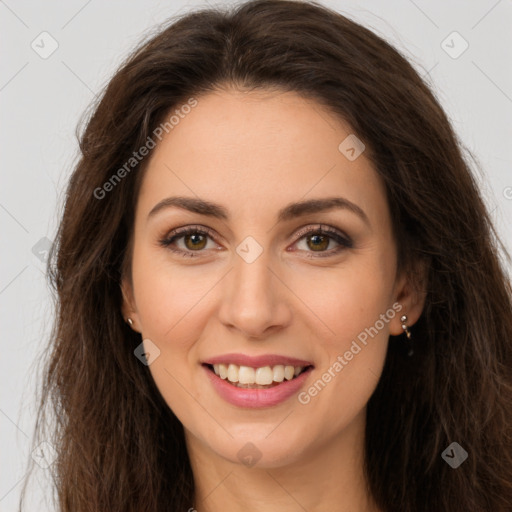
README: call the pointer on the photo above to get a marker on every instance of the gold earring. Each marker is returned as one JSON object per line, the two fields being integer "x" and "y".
{"x": 130, "y": 321}
{"x": 403, "y": 320}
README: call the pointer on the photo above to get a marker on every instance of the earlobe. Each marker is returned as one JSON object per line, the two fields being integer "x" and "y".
{"x": 410, "y": 294}
{"x": 128, "y": 309}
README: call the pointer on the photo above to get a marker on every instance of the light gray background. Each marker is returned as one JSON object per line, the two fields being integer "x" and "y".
{"x": 42, "y": 101}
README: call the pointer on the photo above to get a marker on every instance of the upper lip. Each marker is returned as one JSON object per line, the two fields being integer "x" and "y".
{"x": 257, "y": 361}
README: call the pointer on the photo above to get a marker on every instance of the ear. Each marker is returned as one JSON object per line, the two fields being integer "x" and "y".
{"x": 128, "y": 307}
{"x": 410, "y": 292}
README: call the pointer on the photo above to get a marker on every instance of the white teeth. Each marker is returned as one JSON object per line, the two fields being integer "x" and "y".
{"x": 246, "y": 375}
{"x": 279, "y": 373}
{"x": 232, "y": 373}
{"x": 263, "y": 376}
{"x": 288, "y": 372}
{"x": 223, "y": 371}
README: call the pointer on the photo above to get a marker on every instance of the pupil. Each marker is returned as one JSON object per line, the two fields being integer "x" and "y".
{"x": 315, "y": 239}
{"x": 196, "y": 240}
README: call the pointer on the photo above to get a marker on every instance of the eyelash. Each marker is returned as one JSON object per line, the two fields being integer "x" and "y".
{"x": 343, "y": 240}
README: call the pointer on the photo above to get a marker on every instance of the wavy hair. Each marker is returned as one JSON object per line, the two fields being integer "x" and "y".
{"x": 119, "y": 446}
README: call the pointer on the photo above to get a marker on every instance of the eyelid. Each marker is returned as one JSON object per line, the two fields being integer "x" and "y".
{"x": 338, "y": 236}
{"x": 177, "y": 233}
{"x": 325, "y": 228}
{"x": 191, "y": 228}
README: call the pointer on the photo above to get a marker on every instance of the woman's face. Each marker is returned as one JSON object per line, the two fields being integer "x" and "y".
{"x": 264, "y": 281}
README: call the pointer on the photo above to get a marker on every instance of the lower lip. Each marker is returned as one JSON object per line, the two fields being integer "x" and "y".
{"x": 255, "y": 398}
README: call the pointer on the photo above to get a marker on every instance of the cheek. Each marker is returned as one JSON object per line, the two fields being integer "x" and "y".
{"x": 347, "y": 299}
{"x": 170, "y": 299}
{"x": 172, "y": 305}
{"x": 353, "y": 307}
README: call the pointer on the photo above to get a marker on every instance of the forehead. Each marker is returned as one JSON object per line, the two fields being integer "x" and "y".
{"x": 253, "y": 151}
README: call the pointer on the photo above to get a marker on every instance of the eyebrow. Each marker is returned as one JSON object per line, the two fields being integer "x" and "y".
{"x": 289, "y": 212}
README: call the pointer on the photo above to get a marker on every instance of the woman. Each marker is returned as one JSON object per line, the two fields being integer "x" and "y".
{"x": 278, "y": 286}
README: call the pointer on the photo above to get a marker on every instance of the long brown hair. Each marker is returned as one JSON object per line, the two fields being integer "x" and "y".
{"x": 119, "y": 445}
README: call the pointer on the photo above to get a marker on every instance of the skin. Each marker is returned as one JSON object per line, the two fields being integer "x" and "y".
{"x": 254, "y": 153}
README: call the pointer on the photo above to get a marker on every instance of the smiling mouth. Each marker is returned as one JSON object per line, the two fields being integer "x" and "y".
{"x": 257, "y": 378}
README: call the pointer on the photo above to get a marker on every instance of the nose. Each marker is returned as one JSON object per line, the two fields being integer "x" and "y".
{"x": 254, "y": 299}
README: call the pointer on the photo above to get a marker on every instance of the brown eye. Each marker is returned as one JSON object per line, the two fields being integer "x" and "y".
{"x": 195, "y": 241}
{"x": 318, "y": 242}
{"x": 189, "y": 241}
